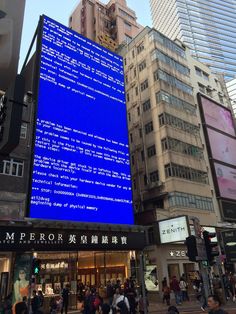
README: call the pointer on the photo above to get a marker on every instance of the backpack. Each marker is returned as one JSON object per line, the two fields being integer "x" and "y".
{"x": 122, "y": 306}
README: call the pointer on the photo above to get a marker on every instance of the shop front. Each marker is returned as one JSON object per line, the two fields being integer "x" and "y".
{"x": 77, "y": 256}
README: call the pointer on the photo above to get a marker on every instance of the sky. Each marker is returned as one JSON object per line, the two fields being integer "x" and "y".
{"x": 60, "y": 11}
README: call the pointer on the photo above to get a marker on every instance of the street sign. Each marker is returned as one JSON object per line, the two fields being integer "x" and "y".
{"x": 229, "y": 240}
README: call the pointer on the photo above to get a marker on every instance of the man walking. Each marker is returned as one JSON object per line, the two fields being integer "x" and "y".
{"x": 65, "y": 299}
{"x": 174, "y": 286}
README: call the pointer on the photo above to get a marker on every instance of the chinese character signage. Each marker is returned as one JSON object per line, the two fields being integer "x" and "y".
{"x": 25, "y": 239}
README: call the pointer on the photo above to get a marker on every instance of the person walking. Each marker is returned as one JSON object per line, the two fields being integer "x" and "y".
{"x": 65, "y": 299}
{"x": 35, "y": 303}
{"x": 21, "y": 307}
{"x": 183, "y": 289}
{"x": 166, "y": 294}
{"x": 115, "y": 297}
{"x": 122, "y": 304}
{"x": 174, "y": 286}
{"x": 163, "y": 284}
{"x": 214, "y": 305}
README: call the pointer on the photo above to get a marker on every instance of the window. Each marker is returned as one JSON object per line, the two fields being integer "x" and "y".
{"x": 202, "y": 73}
{"x": 173, "y": 144}
{"x": 167, "y": 119}
{"x": 133, "y": 53}
{"x": 158, "y": 55}
{"x": 140, "y": 133}
{"x": 186, "y": 173}
{"x": 135, "y": 72}
{"x": 138, "y": 111}
{"x": 128, "y": 26}
{"x": 151, "y": 151}
{"x": 163, "y": 40}
{"x": 148, "y": 127}
{"x": 126, "y": 79}
{"x": 12, "y": 167}
{"x": 132, "y": 160}
{"x": 198, "y": 71}
{"x": 154, "y": 176}
{"x": 129, "y": 116}
{"x": 179, "y": 199}
{"x": 142, "y": 65}
{"x": 125, "y": 62}
{"x": 134, "y": 184}
{"x": 136, "y": 90}
{"x": 201, "y": 88}
{"x": 156, "y": 75}
{"x": 23, "y": 130}
{"x": 209, "y": 92}
{"x": 221, "y": 98}
{"x": 144, "y": 85}
{"x": 175, "y": 82}
{"x": 140, "y": 48}
{"x": 127, "y": 96}
{"x": 205, "y": 75}
{"x": 128, "y": 39}
{"x": 131, "y": 137}
{"x": 175, "y": 102}
{"x": 146, "y": 105}
{"x": 142, "y": 155}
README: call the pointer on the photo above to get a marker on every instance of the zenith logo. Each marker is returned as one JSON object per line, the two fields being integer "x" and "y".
{"x": 173, "y": 229}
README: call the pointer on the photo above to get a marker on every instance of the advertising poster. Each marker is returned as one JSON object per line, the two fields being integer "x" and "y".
{"x": 173, "y": 230}
{"x": 223, "y": 147}
{"x": 150, "y": 278}
{"x": 217, "y": 116}
{"x": 21, "y": 277}
{"x": 226, "y": 178}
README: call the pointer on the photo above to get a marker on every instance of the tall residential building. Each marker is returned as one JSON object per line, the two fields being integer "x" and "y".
{"x": 205, "y": 26}
{"x": 11, "y": 22}
{"x": 107, "y": 24}
{"x": 231, "y": 87}
{"x": 169, "y": 162}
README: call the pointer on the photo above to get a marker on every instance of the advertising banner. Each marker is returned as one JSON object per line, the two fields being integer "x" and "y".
{"x": 226, "y": 178}
{"x": 229, "y": 240}
{"x": 223, "y": 147}
{"x": 173, "y": 230}
{"x": 217, "y": 116}
{"x": 21, "y": 279}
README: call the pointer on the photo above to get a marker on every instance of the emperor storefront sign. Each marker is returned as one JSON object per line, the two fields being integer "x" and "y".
{"x": 41, "y": 239}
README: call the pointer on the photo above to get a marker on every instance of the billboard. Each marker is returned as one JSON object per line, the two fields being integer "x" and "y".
{"x": 229, "y": 240}
{"x": 217, "y": 116}
{"x": 81, "y": 169}
{"x": 223, "y": 148}
{"x": 174, "y": 230}
{"x": 226, "y": 178}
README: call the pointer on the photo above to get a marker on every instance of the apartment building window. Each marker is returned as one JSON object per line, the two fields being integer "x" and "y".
{"x": 175, "y": 82}
{"x": 126, "y": 79}
{"x": 127, "y": 96}
{"x": 140, "y": 48}
{"x": 131, "y": 137}
{"x": 134, "y": 184}
{"x": 175, "y": 102}
{"x": 147, "y": 105}
{"x": 136, "y": 90}
{"x": 140, "y": 133}
{"x": 144, "y": 85}
{"x": 202, "y": 88}
{"x": 156, "y": 76}
{"x": 186, "y": 173}
{"x": 128, "y": 39}
{"x": 142, "y": 66}
{"x": 148, "y": 127}
{"x": 133, "y": 53}
{"x": 173, "y": 144}
{"x": 142, "y": 155}
{"x": 23, "y": 130}
{"x": 202, "y": 73}
{"x": 209, "y": 92}
{"x": 138, "y": 111}
{"x": 167, "y": 119}
{"x": 129, "y": 116}
{"x": 179, "y": 199}
{"x": 151, "y": 151}
{"x": 135, "y": 72}
{"x": 157, "y": 54}
{"x": 125, "y": 61}
{"x": 12, "y": 167}
{"x": 128, "y": 26}
{"x": 154, "y": 176}
{"x": 132, "y": 160}
{"x": 221, "y": 98}
{"x": 163, "y": 40}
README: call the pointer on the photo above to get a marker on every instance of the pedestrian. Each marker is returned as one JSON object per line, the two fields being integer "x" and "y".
{"x": 174, "y": 286}
{"x": 21, "y": 307}
{"x": 53, "y": 305}
{"x": 201, "y": 297}
{"x": 166, "y": 294}
{"x": 110, "y": 292}
{"x": 65, "y": 299}
{"x": 35, "y": 303}
{"x": 214, "y": 305}
{"x": 232, "y": 281}
{"x": 122, "y": 304}
{"x": 88, "y": 303}
{"x": 183, "y": 289}
{"x": 163, "y": 284}
{"x": 173, "y": 310}
{"x": 105, "y": 308}
{"x": 115, "y": 297}
{"x": 41, "y": 301}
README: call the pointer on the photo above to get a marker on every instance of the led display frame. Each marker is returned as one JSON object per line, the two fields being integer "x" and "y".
{"x": 81, "y": 165}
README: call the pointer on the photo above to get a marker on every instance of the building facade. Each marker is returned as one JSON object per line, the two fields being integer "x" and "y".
{"x": 107, "y": 24}
{"x": 206, "y": 27}
{"x": 170, "y": 168}
{"x": 231, "y": 87}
